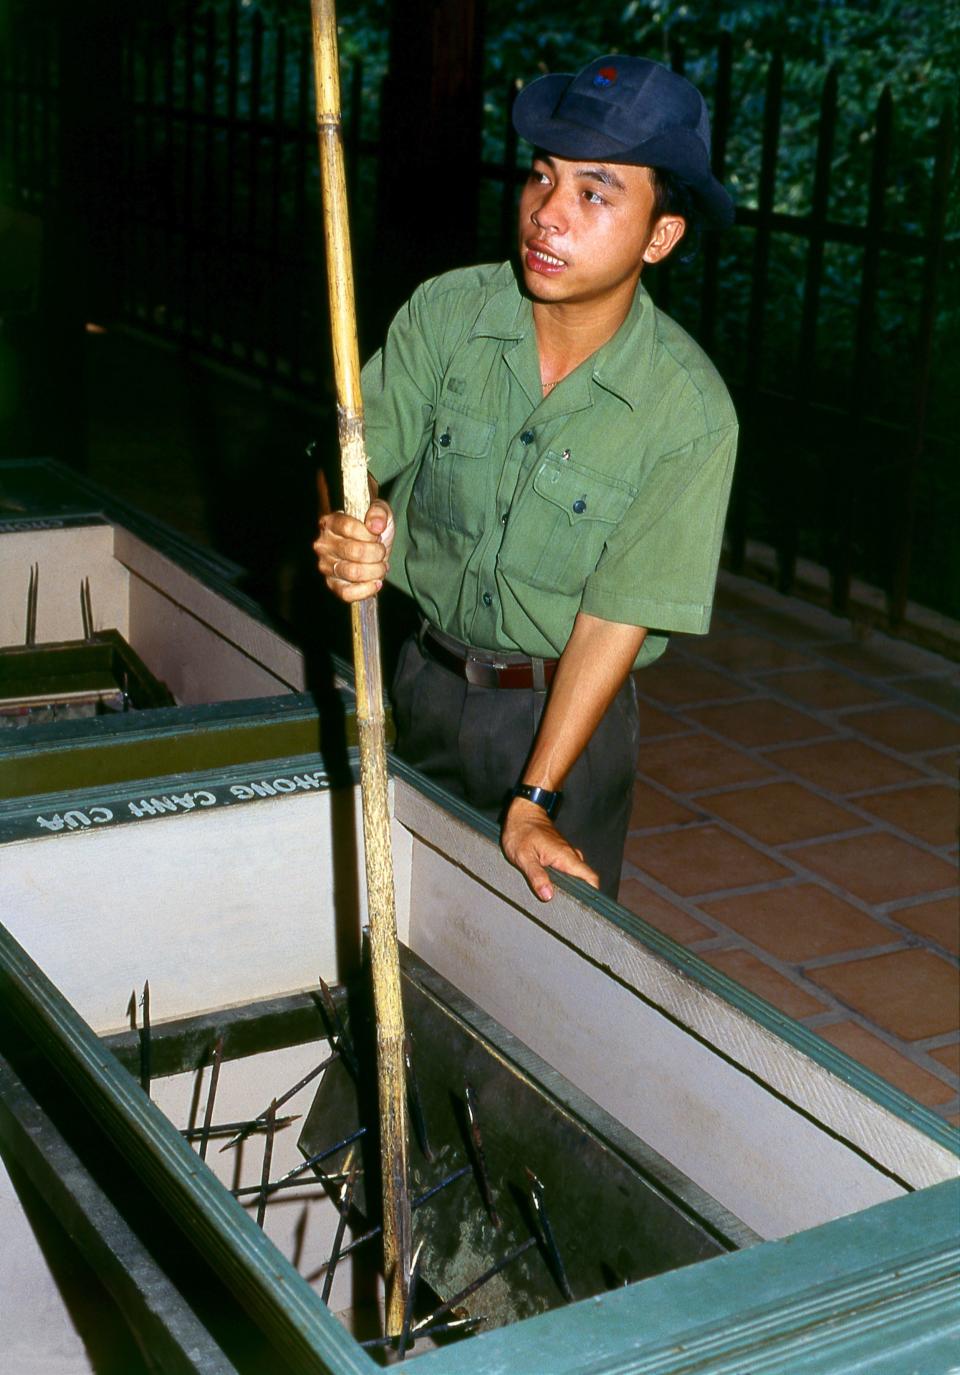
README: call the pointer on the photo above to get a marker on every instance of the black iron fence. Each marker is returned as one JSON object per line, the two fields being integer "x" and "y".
{"x": 830, "y": 329}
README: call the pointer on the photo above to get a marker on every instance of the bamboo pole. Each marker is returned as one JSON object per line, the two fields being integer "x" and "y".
{"x": 384, "y": 954}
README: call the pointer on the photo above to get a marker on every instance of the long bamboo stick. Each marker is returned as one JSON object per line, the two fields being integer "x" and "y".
{"x": 384, "y": 955}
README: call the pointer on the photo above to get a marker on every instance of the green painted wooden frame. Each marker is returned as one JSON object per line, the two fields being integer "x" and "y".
{"x": 874, "y": 1292}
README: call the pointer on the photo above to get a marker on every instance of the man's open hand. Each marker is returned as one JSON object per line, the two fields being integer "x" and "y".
{"x": 531, "y": 842}
{"x": 354, "y": 555}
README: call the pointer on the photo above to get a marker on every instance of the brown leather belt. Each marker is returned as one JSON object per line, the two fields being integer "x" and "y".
{"x": 492, "y": 673}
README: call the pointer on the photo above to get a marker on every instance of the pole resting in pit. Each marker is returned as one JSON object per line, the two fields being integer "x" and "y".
{"x": 384, "y": 955}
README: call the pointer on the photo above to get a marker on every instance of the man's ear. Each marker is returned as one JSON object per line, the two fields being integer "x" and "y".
{"x": 667, "y": 233}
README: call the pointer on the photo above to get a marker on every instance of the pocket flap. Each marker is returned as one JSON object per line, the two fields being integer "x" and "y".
{"x": 456, "y": 433}
{"x": 582, "y": 494}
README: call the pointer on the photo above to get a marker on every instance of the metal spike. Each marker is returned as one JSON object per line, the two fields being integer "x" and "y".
{"x": 457, "y": 1325}
{"x": 462, "y": 1325}
{"x": 132, "y": 1010}
{"x": 33, "y": 587}
{"x": 450, "y": 1179}
{"x": 414, "y": 1203}
{"x": 413, "y": 1280}
{"x": 479, "y": 1156}
{"x": 228, "y": 1128}
{"x": 346, "y": 1201}
{"x": 86, "y": 609}
{"x": 267, "y": 1156}
{"x": 472, "y": 1288}
{"x": 211, "y": 1096}
{"x": 539, "y": 1206}
{"x": 416, "y": 1102}
{"x": 261, "y": 1117}
{"x": 145, "y": 1040}
{"x": 286, "y": 1181}
{"x": 340, "y": 1035}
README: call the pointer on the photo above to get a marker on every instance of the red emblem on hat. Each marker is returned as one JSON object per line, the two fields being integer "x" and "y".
{"x": 606, "y": 76}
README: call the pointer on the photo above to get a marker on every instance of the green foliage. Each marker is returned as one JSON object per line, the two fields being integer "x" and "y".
{"x": 910, "y": 48}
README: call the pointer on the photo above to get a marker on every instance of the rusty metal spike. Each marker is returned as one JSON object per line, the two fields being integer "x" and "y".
{"x": 292, "y": 1176}
{"x": 340, "y": 1037}
{"x": 479, "y": 1156}
{"x": 539, "y": 1206}
{"x": 472, "y": 1288}
{"x": 416, "y": 1102}
{"x": 346, "y": 1200}
{"x": 146, "y": 1056}
{"x": 261, "y": 1117}
{"x": 414, "y": 1203}
{"x": 225, "y": 1128}
{"x": 211, "y": 1096}
{"x": 413, "y": 1280}
{"x": 267, "y": 1156}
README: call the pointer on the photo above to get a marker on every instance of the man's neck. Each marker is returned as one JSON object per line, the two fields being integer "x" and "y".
{"x": 570, "y": 332}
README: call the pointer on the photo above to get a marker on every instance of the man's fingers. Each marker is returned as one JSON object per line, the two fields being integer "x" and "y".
{"x": 351, "y": 553}
{"x": 378, "y": 517}
{"x": 341, "y": 526}
{"x": 531, "y": 842}
{"x": 537, "y": 878}
{"x": 573, "y": 863}
{"x": 357, "y": 591}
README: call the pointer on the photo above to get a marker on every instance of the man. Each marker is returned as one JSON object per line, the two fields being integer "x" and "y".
{"x": 560, "y": 455}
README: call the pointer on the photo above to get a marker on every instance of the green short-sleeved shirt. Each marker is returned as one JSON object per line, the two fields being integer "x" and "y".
{"x": 514, "y": 510}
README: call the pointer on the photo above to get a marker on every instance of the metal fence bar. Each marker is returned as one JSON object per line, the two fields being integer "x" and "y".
{"x": 170, "y": 201}
{"x": 661, "y": 284}
{"x": 275, "y": 309}
{"x": 508, "y": 221}
{"x": 209, "y": 167}
{"x": 933, "y": 263}
{"x": 850, "y": 478}
{"x": 253, "y": 136}
{"x": 789, "y": 531}
{"x": 719, "y": 135}
{"x": 187, "y": 255}
{"x": 772, "y": 108}
{"x": 304, "y": 170}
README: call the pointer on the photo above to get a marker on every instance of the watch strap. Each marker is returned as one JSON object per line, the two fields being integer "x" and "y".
{"x": 541, "y": 797}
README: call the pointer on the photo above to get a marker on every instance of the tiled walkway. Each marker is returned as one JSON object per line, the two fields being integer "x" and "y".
{"x": 796, "y": 801}
{"x": 795, "y": 824}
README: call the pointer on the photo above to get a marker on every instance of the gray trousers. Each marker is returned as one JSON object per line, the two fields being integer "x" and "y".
{"x": 473, "y": 741}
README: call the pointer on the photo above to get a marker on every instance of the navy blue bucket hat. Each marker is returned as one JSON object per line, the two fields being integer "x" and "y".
{"x": 626, "y": 109}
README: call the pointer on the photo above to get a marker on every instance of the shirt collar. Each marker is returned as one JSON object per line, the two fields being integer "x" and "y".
{"x": 620, "y": 366}
{"x": 506, "y": 313}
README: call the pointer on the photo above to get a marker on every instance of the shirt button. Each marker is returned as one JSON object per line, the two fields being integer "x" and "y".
{"x": 487, "y": 599}
{"x": 527, "y": 437}
{"x": 503, "y": 518}
{"x": 444, "y": 439}
{"x": 579, "y": 505}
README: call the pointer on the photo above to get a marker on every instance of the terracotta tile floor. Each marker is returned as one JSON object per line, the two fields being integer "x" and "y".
{"x": 795, "y": 824}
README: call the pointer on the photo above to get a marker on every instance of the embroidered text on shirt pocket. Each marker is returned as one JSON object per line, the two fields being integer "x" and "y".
{"x": 558, "y": 528}
{"x": 450, "y": 489}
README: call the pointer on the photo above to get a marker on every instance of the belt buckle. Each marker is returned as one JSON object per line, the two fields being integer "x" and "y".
{"x": 480, "y": 674}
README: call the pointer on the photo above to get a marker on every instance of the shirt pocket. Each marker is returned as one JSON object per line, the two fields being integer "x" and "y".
{"x": 560, "y": 525}
{"x": 451, "y": 486}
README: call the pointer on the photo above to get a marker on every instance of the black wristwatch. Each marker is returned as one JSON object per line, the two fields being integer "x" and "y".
{"x": 542, "y": 797}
